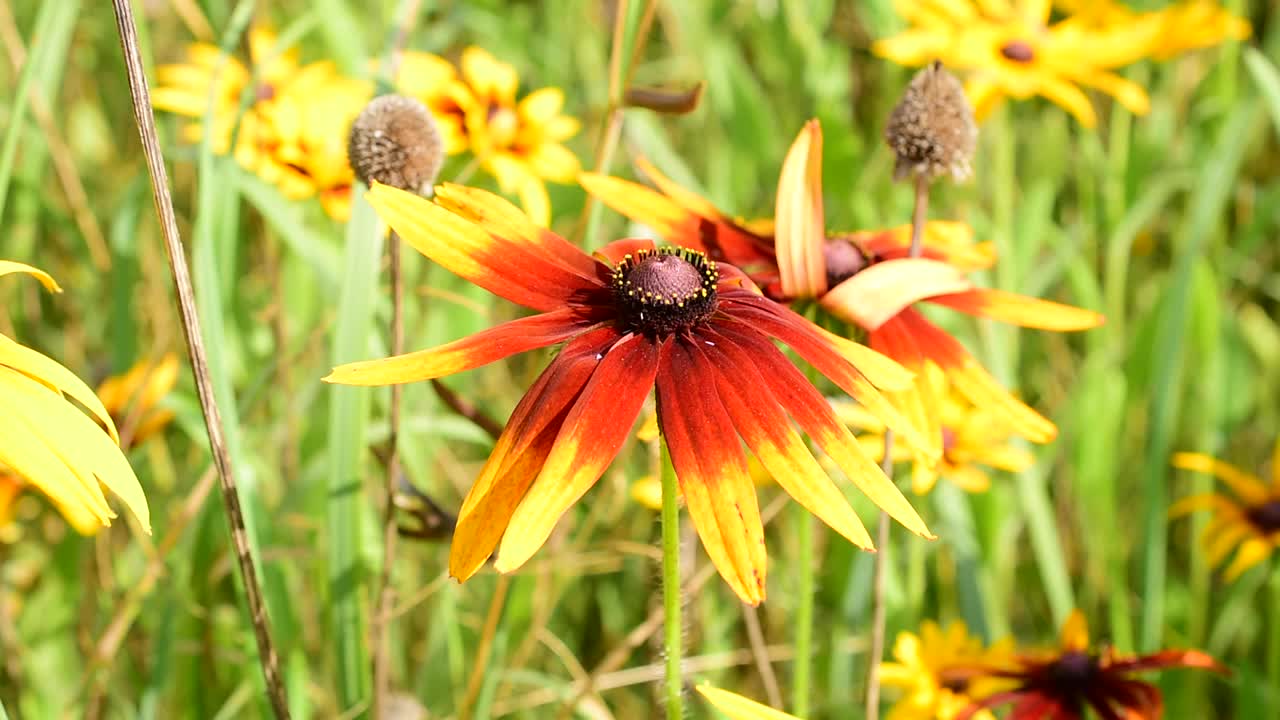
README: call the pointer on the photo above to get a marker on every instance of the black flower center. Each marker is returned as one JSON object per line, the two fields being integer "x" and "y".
{"x": 1018, "y": 51}
{"x": 1265, "y": 517}
{"x": 1074, "y": 672}
{"x": 663, "y": 291}
{"x": 843, "y": 259}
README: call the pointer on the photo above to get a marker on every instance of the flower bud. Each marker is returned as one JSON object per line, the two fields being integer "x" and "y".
{"x": 395, "y": 141}
{"x": 931, "y": 130}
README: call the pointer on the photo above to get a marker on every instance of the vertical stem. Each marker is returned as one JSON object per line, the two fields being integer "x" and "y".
{"x": 674, "y": 630}
{"x": 385, "y": 591}
{"x": 804, "y": 615}
{"x": 877, "y": 593}
{"x": 920, "y": 215}
{"x": 141, "y": 98}
{"x": 1273, "y": 638}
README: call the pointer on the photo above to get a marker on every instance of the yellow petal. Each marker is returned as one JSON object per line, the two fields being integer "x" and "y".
{"x": 1251, "y": 553}
{"x": 51, "y": 374}
{"x": 31, "y": 457}
{"x": 490, "y": 79}
{"x": 9, "y": 266}
{"x": 1247, "y": 487}
{"x": 799, "y": 218}
{"x": 740, "y": 708}
{"x": 872, "y": 296}
{"x": 541, "y": 106}
{"x": 1075, "y": 632}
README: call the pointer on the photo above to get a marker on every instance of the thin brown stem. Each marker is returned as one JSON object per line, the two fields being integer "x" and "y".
{"x": 486, "y": 643}
{"x": 759, "y": 651}
{"x": 920, "y": 215}
{"x": 143, "y": 115}
{"x": 877, "y": 594}
{"x": 64, "y": 165}
{"x": 385, "y": 592}
{"x": 464, "y": 408}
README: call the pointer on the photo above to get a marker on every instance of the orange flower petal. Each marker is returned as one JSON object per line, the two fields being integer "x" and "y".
{"x": 509, "y": 267}
{"x": 482, "y": 348}
{"x": 616, "y": 251}
{"x": 883, "y": 290}
{"x": 1020, "y": 310}
{"x": 764, "y": 426}
{"x": 593, "y": 432}
{"x": 712, "y": 471}
{"x": 811, "y": 411}
{"x": 800, "y": 227}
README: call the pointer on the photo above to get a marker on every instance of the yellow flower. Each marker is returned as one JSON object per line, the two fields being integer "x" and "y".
{"x": 737, "y": 707}
{"x": 51, "y": 443}
{"x": 921, "y": 670}
{"x": 518, "y": 142}
{"x": 973, "y": 438}
{"x": 1008, "y": 49}
{"x": 434, "y": 82}
{"x": 1247, "y": 520}
{"x": 131, "y": 398}
{"x": 1187, "y": 25}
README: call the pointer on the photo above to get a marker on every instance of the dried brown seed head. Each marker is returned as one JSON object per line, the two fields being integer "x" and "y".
{"x": 395, "y": 141}
{"x": 931, "y": 129}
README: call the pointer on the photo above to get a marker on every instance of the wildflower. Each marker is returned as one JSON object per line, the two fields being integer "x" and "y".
{"x": 925, "y": 665}
{"x": 1011, "y": 50}
{"x": 973, "y": 439}
{"x": 395, "y": 141}
{"x": 1247, "y": 520}
{"x": 739, "y": 708}
{"x": 1183, "y": 26}
{"x": 1057, "y": 685}
{"x": 48, "y": 441}
{"x": 132, "y": 398}
{"x": 434, "y": 82}
{"x": 632, "y": 317}
{"x": 874, "y": 285}
{"x": 519, "y": 142}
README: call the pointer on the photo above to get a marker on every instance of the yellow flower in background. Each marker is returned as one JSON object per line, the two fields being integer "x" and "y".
{"x": 1010, "y": 49}
{"x": 931, "y": 669}
{"x": 131, "y": 398}
{"x": 519, "y": 142}
{"x": 1247, "y": 520}
{"x": 973, "y": 439}
{"x": 737, "y": 707}
{"x": 434, "y": 82}
{"x": 1183, "y": 26}
{"x": 51, "y": 443}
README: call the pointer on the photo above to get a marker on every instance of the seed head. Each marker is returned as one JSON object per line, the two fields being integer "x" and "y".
{"x": 395, "y": 141}
{"x": 931, "y": 129}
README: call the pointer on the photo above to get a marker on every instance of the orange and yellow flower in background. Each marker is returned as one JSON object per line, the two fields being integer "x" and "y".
{"x": 870, "y": 284}
{"x": 634, "y": 317}
{"x": 736, "y": 707}
{"x": 132, "y": 399}
{"x": 1012, "y": 49}
{"x": 1247, "y": 520}
{"x": 50, "y": 442}
{"x": 973, "y": 440}
{"x": 1059, "y": 684}
{"x": 923, "y": 669}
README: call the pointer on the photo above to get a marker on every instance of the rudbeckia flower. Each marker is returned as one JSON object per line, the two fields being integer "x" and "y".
{"x": 973, "y": 439}
{"x": 736, "y": 707}
{"x": 131, "y": 399}
{"x": 1247, "y": 520}
{"x": 630, "y": 318}
{"x": 865, "y": 279}
{"x": 923, "y": 665}
{"x": 51, "y": 443}
{"x": 1058, "y": 685}
{"x": 434, "y": 82}
{"x": 1010, "y": 49}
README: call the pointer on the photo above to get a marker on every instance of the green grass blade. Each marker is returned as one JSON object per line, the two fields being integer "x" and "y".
{"x": 348, "y": 416}
{"x": 19, "y": 98}
{"x": 1267, "y": 78}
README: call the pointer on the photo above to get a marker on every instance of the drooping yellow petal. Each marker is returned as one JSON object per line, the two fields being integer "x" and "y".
{"x": 51, "y": 374}
{"x": 799, "y": 224}
{"x": 8, "y": 266}
{"x": 31, "y": 457}
{"x": 1251, "y": 552}
{"x": 1021, "y": 310}
{"x": 740, "y": 708}
{"x": 1247, "y": 487}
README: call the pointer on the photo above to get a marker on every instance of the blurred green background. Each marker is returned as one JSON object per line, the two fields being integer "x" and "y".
{"x": 1166, "y": 223}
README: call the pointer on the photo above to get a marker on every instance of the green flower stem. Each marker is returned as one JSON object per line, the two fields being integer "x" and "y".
{"x": 671, "y": 587}
{"x": 1273, "y": 637}
{"x": 802, "y": 669}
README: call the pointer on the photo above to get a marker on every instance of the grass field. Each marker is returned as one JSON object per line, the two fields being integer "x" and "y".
{"x": 1166, "y": 223}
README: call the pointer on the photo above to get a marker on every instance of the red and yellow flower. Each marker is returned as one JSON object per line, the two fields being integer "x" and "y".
{"x": 862, "y": 278}
{"x": 1247, "y": 520}
{"x": 631, "y": 318}
{"x": 923, "y": 665}
{"x": 1057, "y": 685}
